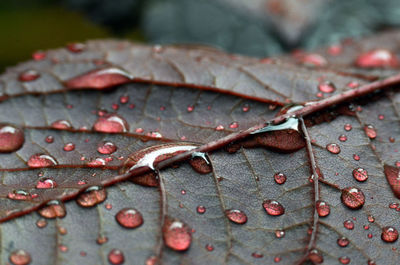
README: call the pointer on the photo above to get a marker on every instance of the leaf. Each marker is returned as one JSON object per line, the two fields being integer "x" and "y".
{"x": 223, "y": 204}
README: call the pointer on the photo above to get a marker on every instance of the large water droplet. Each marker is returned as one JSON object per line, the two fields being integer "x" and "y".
{"x": 111, "y": 123}
{"x": 389, "y": 234}
{"x": 323, "y": 208}
{"x": 370, "y": 131}
{"x": 99, "y": 79}
{"x": 129, "y": 218}
{"x": 41, "y": 160}
{"x": 53, "y": 209}
{"x": 393, "y": 178}
{"x": 333, "y": 148}
{"x": 353, "y": 197}
{"x": 273, "y": 207}
{"x": 377, "y": 58}
{"x": 236, "y": 216}
{"x": 11, "y": 138}
{"x": 326, "y": 87}
{"x": 92, "y": 196}
{"x": 280, "y": 178}
{"x": 116, "y": 257}
{"x": 106, "y": 148}
{"x": 177, "y": 235}
{"x": 342, "y": 242}
{"x": 360, "y": 174}
{"x": 28, "y": 75}
{"x": 20, "y": 257}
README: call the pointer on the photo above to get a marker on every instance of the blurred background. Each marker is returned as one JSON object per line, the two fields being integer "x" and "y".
{"x": 252, "y": 27}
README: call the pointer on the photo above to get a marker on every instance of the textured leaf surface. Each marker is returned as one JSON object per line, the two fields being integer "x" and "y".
{"x": 198, "y": 97}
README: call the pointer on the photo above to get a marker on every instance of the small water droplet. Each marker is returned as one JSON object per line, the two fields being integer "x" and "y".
{"x": 19, "y": 195}
{"x": 315, "y": 256}
{"x": 152, "y": 261}
{"x": 129, "y": 218}
{"x": 245, "y": 108}
{"x": 190, "y": 108}
{"x": 115, "y": 257}
{"x": 20, "y": 257}
{"x": 353, "y": 197}
{"x": 389, "y": 234}
{"x": 106, "y": 148}
{"x": 393, "y": 178}
{"x": 326, "y": 87}
{"x": 280, "y": 233}
{"x": 360, "y": 174}
{"x": 323, "y": 208}
{"x": 343, "y": 138}
{"x": 219, "y": 128}
{"x": 41, "y": 223}
{"x": 234, "y": 125}
{"x": 201, "y": 209}
{"x": 68, "y": 147}
{"x": 353, "y": 84}
{"x": 49, "y": 139}
{"x": 62, "y": 230}
{"x": 343, "y": 242}
{"x": 200, "y": 163}
{"x": 38, "y": 55}
{"x": 53, "y": 209}
{"x": 41, "y": 160}
{"x": 348, "y": 224}
{"x": 92, "y": 196}
{"x": 209, "y": 247}
{"x": 257, "y": 255}
{"x": 273, "y": 207}
{"x": 333, "y": 148}
{"x": 348, "y": 127}
{"x": 371, "y": 219}
{"x": 61, "y": 125}
{"x": 370, "y": 131}
{"x": 124, "y": 99}
{"x": 101, "y": 240}
{"x": 344, "y": 260}
{"x": 280, "y": 178}
{"x": 311, "y": 59}
{"x": 29, "y": 75}
{"x": 75, "y": 47}
{"x": 236, "y": 216}
{"x": 177, "y": 235}
{"x": 377, "y": 58}
{"x": 11, "y": 138}
{"x": 371, "y": 262}
{"x": 277, "y": 259}
{"x": 356, "y": 157}
{"x": 46, "y": 183}
{"x": 111, "y": 123}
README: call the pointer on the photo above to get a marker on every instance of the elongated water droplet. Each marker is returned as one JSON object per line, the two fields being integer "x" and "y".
{"x": 343, "y": 242}
{"x": 353, "y": 197}
{"x": 75, "y": 47}
{"x": 99, "y": 79}
{"x": 116, "y": 257}
{"x": 176, "y": 234}
{"x": 333, "y": 148}
{"x": 92, "y": 196}
{"x": 38, "y": 55}
{"x": 20, "y": 257}
{"x": 377, "y": 58}
{"x": 53, "y": 209}
{"x": 323, "y": 208}
{"x": 273, "y": 207}
{"x": 111, "y": 123}
{"x": 106, "y": 148}
{"x": 11, "y": 138}
{"x": 280, "y": 178}
{"x": 19, "y": 195}
{"x": 370, "y": 131}
{"x": 236, "y": 216}
{"x": 61, "y": 125}
{"x": 257, "y": 255}
{"x": 326, "y": 87}
{"x": 28, "y": 75}
{"x": 311, "y": 59}
{"x": 129, "y": 218}
{"x": 393, "y": 178}
{"x": 360, "y": 174}
{"x": 46, "y": 183}
{"x": 389, "y": 234}
{"x": 41, "y": 160}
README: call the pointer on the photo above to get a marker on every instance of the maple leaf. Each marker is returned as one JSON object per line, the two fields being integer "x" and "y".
{"x": 221, "y": 175}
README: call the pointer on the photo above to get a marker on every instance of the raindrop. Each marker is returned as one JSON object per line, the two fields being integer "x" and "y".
{"x": 124, "y": 99}
{"x": 393, "y": 178}
{"x": 11, "y": 138}
{"x": 209, "y": 247}
{"x": 273, "y": 207}
{"x": 257, "y": 255}
{"x": 234, "y": 125}
{"x": 389, "y": 234}
{"x": 129, "y": 218}
{"x": 360, "y": 174}
{"x": 343, "y": 138}
{"x": 323, "y": 208}
{"x": 106, "y": 148}
{"x": 326, "y": 87}
{"x": 348, "y": 127}
{"x": 76, "y": 47}
{"x": 219, "y": 128}
{"x": 61, "y": 125}
{"x": 53, "y": 209}
{"x": 377, "y": 58}
{"x": 236, "y": 216}
{"x": 201, "y": 209}
{"x": 28, "y": 75}
{"x": 19, "y": 195}
{"x": 92, "y": 196}
{"x": 344, "y": 260}
{"x": 115, "y": 256}
{"x": 280, "y": 178}
{"x": 68, "y": 147}
{"x": 353, "y": 197}
{"x": 315, "y": 256}
{"x": 356, "y": 157}
{"x": 280, "y": 233}
{"x": 245, "y": 108}
{"x": 111, "y": 123}
{"x": 38, "y": 55}
{"x": 41, "y": 223}
{"x": 177, "y": 235}
{"x": 343, "y": 242}
{"x": 101, "y": 240}
{"x": 49, "y": 139}
{"x": 277, "y": 259}
{"x": 370, "y": 131}
{"x": 333, "y": 148}
{"x": 46, "y": 183}
{"x": 371, "y": 219}
{"x": 41, "y": 160}
{"x": 20, "y": 257}
{"x": 348, "y": 224}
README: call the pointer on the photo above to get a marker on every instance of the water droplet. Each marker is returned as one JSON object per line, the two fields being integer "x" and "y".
{"x": 273, "y": 207}
{"x": 68, "y": 147}
{"x": 343, "y": 138}
{"x": 371, "y": 219}
{"x": 333, "y": 148}
{"x": 190, "y": 108}
{"x": 101, "y": 240}
{"x": 348, "y": 127}
{"x": 245, "y": 108}
{"x": 41, "y": 223}
{"x": 20, "y": 257}
{"x": 257, "y": 255}
{"x": 28, "y": 75}
{"x": 356, "y": 157}
{"x": 360, "y": 174}
{"x": 389, "y": 234}
{"x": 377, "y": 58}
{"x": 335, "y": 49}
{"x": 11, "y": 138}
{"x": 236, "y": 216}
{"x": 41, "y": 160}
{"x": 277, "y": 259}
{"x": 124, "y": 99}
{"x": 111, "y": 123}
{"x": 62, "y": 230}
{"x": 326, "y": 87}
{"x": 344, "y": 260}
{"x": 19, "y": 195}
{"x": 393, "y": 178}
{"x": 353, "y": 197}
{"x": 323, "y": 208}
{"x": 219, "y": 128}
{"x": 311, "y": 59}
{"x": 49, "y": 139}
{"x": 61, "y": 125}
{"x": 76, "y": 47}
{"x": 348, "y": 224}
{"x": 46, "y": 183}
{"x": 200, "y": 163}
{"x": 92, "y": 196}
{"x": 315, "y": 256}
{"x": 99, "y": 79}
{"x": 280, "y": 178}
{"x": 38, "y": 55}
{"x": 106, "y": 148}
{"x": 280, "y": 233}
{"x": 152, "y": 261}
{"x": 115, "y": 256}
{"x": 53, "y": 209}
{"x": 115, "y": 106}
{"x": 366, "y": 227}
{"x": 129, "y": 218}
{"x": 201, "y": 209}
{"x": 371, "y": 262}
{"x": 209, "y": 247}
{"x": 353, "y": 84}
{"x": 177, "y": 235}
{"x": 370, "y": 131}
{"x": 393, "y": 205}
{"x": 343, "y": 242}
{"x": 154, "y": 134}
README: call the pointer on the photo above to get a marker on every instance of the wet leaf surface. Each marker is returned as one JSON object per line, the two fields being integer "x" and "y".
{"x": 94, "y": 115}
